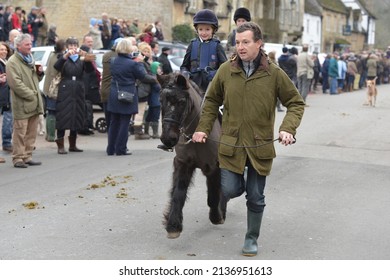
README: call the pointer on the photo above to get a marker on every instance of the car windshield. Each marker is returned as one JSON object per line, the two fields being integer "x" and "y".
{"x": 177, "y": 60}
{"x": 38, "y": 55}
{"x": 177, "y": 49}
{"x": 178, "y": 52}
{"x": 99, "y": 58}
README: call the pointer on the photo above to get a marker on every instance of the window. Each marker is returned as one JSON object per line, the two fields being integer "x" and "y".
{"x": 327, "y": 20}
{"x": 318, "y": 27}
{"x": 308, "y": 26}
{"x": 269, "y": 8}
{"x": 296, "y": 13}
{"x": 191, "y": 6}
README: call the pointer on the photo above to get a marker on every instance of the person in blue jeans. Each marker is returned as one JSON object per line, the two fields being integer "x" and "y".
{"x": 333, "y": 73}
{"x": 249, "y": 86}
{"x": 6, "y": 129}
{"x": 325, "y": 75}
{"x": 153, "y": 115}
{"x": 5, "y": 101}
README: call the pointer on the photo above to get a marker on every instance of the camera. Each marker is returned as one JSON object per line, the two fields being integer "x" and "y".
{"x": 135, "y": 54}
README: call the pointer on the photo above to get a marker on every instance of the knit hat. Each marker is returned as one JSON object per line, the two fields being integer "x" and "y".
{"x": 154, "y": 66}
{"x": 294, "y": 50}
{"x": 93, "y": 21}
{"x": 284, "y": 49}
{"x": 242, "y": 13}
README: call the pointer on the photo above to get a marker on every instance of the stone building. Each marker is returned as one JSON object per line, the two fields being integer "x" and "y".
{"x": 282, "y": 21}
{"x": 72, "y": 16}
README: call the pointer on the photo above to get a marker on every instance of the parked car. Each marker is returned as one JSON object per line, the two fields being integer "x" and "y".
{"x": 178, "y": 51}
{"x": 41, "y": 54}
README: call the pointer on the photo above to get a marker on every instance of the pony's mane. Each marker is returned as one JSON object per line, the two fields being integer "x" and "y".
{"x": 197, "y": 88}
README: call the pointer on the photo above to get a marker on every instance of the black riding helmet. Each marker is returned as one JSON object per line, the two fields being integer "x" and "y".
{"x": 206, "y": 16}
{"x": 242, "y": 13}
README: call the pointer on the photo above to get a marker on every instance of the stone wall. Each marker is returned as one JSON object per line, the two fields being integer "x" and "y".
{"x": 72, "y": 17}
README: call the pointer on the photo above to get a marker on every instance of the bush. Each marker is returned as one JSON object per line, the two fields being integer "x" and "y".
{"x": 183, "y": 33}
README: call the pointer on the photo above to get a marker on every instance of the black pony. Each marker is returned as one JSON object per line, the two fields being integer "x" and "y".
{"x": 181, "y": 101}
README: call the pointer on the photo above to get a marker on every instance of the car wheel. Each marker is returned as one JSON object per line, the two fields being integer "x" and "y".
{"x": 101, "y": 125}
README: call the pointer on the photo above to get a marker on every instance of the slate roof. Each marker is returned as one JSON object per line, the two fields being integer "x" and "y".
{"x": 313, "y": 8}
{"x": 334, "y": 6}
{"x": 363, "y": 3}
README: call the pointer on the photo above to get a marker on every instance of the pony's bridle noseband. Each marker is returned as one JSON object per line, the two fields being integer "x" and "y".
{"x": 171, "y": 120}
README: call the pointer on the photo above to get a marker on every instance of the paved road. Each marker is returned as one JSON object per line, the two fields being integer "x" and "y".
{"x": 327, "y": 197}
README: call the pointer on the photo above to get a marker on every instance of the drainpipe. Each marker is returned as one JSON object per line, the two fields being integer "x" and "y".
{"x": 322, "y": 47}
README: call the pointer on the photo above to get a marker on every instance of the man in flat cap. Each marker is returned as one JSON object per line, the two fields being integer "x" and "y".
{"x": 163, "y": 59}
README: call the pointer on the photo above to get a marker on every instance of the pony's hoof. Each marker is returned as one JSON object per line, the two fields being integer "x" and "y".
{"x": 173, "y": 235}
{"x": 217, "y": 221}
{"x": 216, "y": 217}
{"x": 220, "y": 222}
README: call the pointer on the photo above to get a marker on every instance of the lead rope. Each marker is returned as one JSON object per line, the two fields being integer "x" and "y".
{"x": 189, "y": 137}
{"x": 189, "y": 140}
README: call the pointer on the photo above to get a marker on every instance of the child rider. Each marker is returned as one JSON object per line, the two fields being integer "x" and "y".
{"x": 205, "y": 53}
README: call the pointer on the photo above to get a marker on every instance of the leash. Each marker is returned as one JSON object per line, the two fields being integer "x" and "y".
{"x": 170, "y": 149}
{"x": 189, "y": 140}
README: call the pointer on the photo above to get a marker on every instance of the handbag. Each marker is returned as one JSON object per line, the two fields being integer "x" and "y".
{"x": 144, "y": 90}
{"x": 53, "y": 87}
{"x": 124, "y": 96}
{"x": 310, "y": 73}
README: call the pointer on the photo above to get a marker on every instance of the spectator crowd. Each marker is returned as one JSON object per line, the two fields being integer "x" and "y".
{"x": 335, "y": 73}
{"x": 81, "y": 83}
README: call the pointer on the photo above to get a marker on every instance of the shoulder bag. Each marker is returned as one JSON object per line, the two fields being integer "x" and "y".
{"x": 124, "y": 96}
{"x": 53, "y": 87}
{"x": 144, "y": 90}
{"x": 310, "y": 73}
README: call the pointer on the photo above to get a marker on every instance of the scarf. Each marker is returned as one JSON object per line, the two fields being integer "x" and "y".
{"x": 74, "y": 57}
{"x": 27, "y": 58}
{"x": 4, "y": 61}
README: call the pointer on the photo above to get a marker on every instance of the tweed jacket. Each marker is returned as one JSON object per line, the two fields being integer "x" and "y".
{"x": 106, "y": 75}
{"x": 372, "y": 67}
{"x": 249, "y": 112}
{"x": 22, "y": 78}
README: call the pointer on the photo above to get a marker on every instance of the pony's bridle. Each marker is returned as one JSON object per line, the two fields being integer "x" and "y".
{"x": 179, "y": 123}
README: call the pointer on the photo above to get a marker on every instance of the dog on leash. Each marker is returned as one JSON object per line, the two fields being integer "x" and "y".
{"x": 372, "y": 92}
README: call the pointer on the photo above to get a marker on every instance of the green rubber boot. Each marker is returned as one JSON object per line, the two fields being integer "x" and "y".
{"x": 50, "y": 128}
{"x": 155, "y": 130}
{"x": 253, "y": 231}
